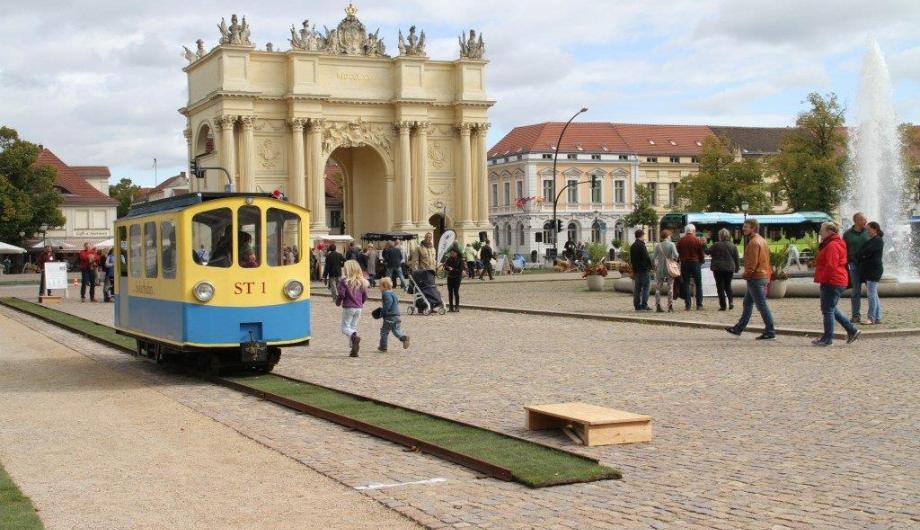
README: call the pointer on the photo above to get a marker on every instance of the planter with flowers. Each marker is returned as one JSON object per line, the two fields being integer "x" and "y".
{"x": 596, "y": 270}
{"x": 779, "y": 258}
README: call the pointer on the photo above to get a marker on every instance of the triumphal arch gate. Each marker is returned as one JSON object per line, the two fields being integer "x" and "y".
{"x": 408, "y": 133}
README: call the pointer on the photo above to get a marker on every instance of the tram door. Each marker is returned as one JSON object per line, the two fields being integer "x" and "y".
{"x": 121, "y": 276}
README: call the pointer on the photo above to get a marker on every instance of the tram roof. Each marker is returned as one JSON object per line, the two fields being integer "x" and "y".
{"x": 711, "y": 218}
{"x": 183, "y": 201}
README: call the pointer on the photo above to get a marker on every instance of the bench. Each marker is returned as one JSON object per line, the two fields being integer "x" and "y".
{"x": 590, "y": 424}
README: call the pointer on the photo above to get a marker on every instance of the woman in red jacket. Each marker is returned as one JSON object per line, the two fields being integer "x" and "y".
{"x": 831, "y": 274}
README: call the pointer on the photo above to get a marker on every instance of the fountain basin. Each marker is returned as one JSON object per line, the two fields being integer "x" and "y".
{"x": 804, "y": 289}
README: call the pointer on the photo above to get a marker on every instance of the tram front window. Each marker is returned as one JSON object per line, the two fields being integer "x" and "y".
{"x": 212, "y": 238}
{"x": 282, "y": 234}
{"x": 250, "y": 236}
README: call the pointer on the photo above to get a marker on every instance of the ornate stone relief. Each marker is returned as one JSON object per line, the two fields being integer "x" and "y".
{"x": 197, "y": 54}
{"x": 472, "y": 48}
{"x": 269, "y": 153}
{"x": 236, "y": 34}
{"x": 414, "y": 45}
{"x": 357, "y": 134}
{"x": 348, "y": 38}
{"x": 437, "y": 155}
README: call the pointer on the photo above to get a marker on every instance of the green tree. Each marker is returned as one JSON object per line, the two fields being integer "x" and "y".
{"x": 809, "y": 167}
{"x": 27, "y": 195}
{"x": 722, "y": 183}
{"x": 124, "y": 192}
{"x": 643, "y": 213}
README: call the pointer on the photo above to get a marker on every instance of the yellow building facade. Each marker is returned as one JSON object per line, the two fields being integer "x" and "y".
{"x": 408, "y": 132}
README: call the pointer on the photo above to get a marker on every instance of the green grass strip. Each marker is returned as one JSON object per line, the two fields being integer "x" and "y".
{"x": 16, "y": 510}
{"x": 531, "y": 464}
{"x": 82, "y": 325}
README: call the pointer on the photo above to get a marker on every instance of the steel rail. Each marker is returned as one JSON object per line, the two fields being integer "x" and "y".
{"x": 462, "y": 459}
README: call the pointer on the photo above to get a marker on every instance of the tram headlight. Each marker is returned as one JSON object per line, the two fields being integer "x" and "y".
{"x": 293, "y": 289}
{"x": 204, "y": 291}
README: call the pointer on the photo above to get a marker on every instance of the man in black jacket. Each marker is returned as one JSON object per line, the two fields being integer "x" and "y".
{"x": 486, "y": 255}
{"x": 392, "y": 260}
{"x": 641, "y": 266}
{"x": 333, "y": 269}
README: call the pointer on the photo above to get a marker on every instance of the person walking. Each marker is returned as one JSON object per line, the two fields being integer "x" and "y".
{"x": 641, "y": 271}
{"x": 469, "y": 255}
{"x": 871, "y": 269}
{"x": 108, "y": 285}
{"x": 855, "y": 238}
{"x": 87, "y": 260}
{"x": 332, "y": 271}
{"x": 46, "y": 256}
{"x": 665, "y": 257}
{"x": 352, "y": 294}
{"x": 690, "y": 250}
{"x": 352, "y": 252}
{"x": 831, "y": 274}
{"x": 392, "y": 260}
{"x": 372, "y": 256}
{"x": 486, "y": 255}
{"x": 757, "y": 274}
{"x": 389, "y": 313}
{"x": 725, "y": 263}
{"x": 454, "y": 266}
{"x": 424, "y": 259}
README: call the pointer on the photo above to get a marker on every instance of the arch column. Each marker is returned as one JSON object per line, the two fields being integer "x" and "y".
{"x": 482, "y": 176}
{"x": 247, "y": 156}
{"x": 227, "y": 154}
{"x": 465, "y": 176}
{"x": 317, "y": 177}
{"x": 421, "y": 174}
{"x": 296, "y": 186}
{"x": 405, "y": 176}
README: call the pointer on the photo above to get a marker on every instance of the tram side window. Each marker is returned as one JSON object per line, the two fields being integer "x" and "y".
{"x": 135, "y": 260}
{"x": 150, "y": 250}
{"x": 168, "y": 248}
{"x": 122, "y": 251}
{"x": 282, "y": 236}
{"x": 212, "y": 238}
{"x": 250, "y": 235}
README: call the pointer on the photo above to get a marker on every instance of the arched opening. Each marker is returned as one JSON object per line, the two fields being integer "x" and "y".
{"x": 438, "y": 224}
{"x": 572, "y": 232}
{"x": 204, "y": 144}
{"x": 507, "y": 239}
{"x": 598, "y": 231}
{"x": 356, "y": 189}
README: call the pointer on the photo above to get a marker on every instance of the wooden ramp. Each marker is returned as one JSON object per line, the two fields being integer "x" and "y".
{"x": 590, "y": 424}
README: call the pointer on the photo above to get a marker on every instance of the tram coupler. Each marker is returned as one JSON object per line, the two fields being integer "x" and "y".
{"x": 254, "y": 351}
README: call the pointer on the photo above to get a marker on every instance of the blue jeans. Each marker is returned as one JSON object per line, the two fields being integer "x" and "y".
{"x": 641, "y": 285}
{"x": 393, "y": 272}
{"x": 390, "y": 325}
{"x": 756, "y": 295}
{"x": 88, "y": 280}
{"x": 856, "y": 285}
{"x": 875, "y": 308}
{"x": 691, "y": 271}
{"x": 830, "y": 295}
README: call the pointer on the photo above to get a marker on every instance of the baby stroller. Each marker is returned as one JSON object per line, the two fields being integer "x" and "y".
{"x": 425, "y": 295}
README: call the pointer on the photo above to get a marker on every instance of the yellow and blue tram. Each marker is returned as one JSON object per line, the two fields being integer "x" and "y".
{"x": 216, "y": 278}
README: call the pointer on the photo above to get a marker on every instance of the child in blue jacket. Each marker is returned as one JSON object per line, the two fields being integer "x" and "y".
{"x": 390, "y": 316}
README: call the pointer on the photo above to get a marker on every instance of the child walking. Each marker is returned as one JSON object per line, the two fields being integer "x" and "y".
{"x": 390, "y": 316}
{"x": 352, "y": 293}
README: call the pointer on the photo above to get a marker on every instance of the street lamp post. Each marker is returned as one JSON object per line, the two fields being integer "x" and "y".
{"x": 744, "y": 209}
{"x": 555, "y": 231}
{"x": 44, "y": 229}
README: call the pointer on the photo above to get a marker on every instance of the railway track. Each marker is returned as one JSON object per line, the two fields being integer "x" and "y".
{"x": 585, "y": 468}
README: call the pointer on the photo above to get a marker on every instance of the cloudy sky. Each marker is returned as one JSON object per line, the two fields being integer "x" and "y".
{"x": 99, "y": 82}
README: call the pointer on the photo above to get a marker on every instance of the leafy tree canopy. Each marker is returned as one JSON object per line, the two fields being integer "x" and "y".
{"x": 809, "y": 167}
{"x": 124, "y": 192}
{"x": 27, "y": 195}
{"x": 722, "y": 183}
{"x": 643, "y": 213}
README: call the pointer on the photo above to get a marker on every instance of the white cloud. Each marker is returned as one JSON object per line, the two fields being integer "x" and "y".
{"x": 99, "y": 82}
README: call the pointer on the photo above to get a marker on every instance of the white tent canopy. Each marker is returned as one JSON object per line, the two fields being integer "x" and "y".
{"x": 6, "y": 248}
{"x": 108, "y": 243}
{"x": 54, "y": 243}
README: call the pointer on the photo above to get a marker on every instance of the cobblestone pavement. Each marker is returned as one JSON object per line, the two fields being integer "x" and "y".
{"x": 747, "y": 435}
{"x": 573, "y": 296}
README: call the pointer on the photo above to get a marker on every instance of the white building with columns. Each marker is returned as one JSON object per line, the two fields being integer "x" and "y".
{"x": 407, "y": 132}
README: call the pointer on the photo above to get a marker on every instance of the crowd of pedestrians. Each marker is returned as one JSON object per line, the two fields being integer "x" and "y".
{"x": 843, "y": 261}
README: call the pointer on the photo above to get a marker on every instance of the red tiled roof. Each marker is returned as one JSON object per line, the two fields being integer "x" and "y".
{"x": 585, "y": 136}
{"x": 171, "y": 181}
{"x": 78, "y": 190}
{"x": 89, "y": 172}
{"x": 663, "y": 139}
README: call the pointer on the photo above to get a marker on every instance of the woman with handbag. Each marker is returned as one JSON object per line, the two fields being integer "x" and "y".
{"x": 725, "y": 263}
{"x": 666, "y": 269}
